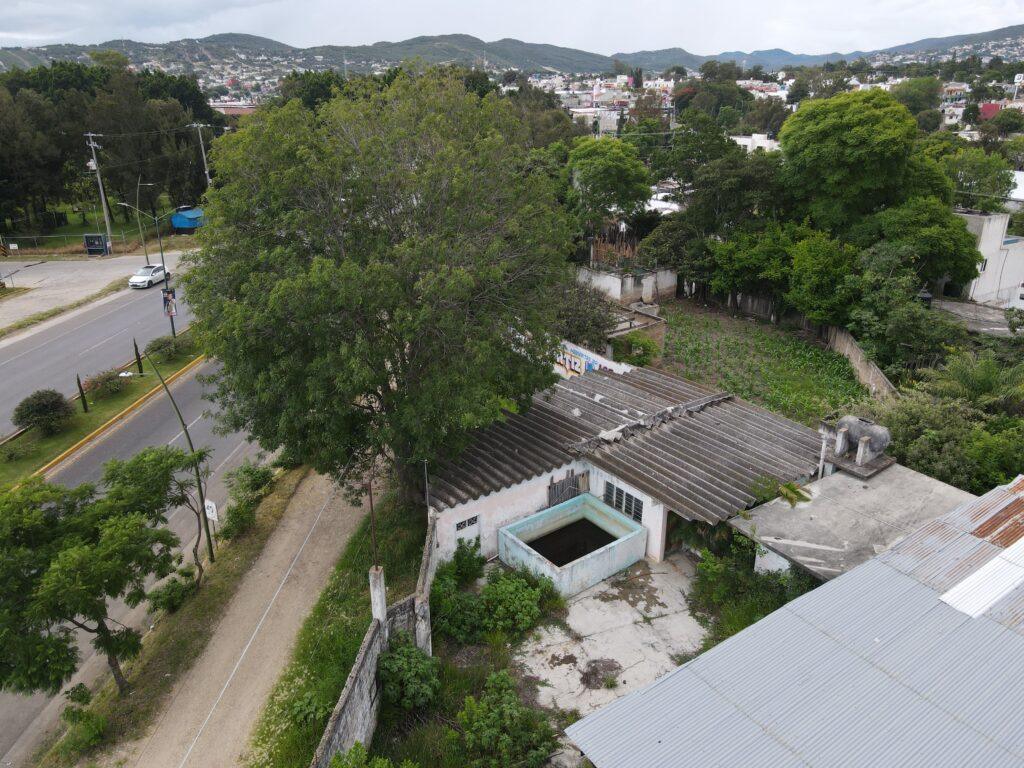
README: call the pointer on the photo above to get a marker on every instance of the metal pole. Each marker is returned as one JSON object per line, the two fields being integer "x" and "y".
{"x": 373, "y": 522}
{"x": 202, "y": 149}
{"x": 167, "y": 280}
{"x": 192, "y": 449}
{"x": 138, "y": 219}
{"x": 91, "y": 143}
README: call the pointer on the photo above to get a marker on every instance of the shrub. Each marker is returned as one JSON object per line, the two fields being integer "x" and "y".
{"x": 166, "y": 348}
{"x": 105, "y": 383}
{"x": 511, "y": 605}
{"x": 634, "y": 349}
{"x": 247, "y": 485}
{"x": 357, "y": 757}
{"x": 409, "y": 677}
{"x": 47, "y": 410}
{"x": 467, "y": 563}
{"x": 498, "y": 731}
{"x": 455, "y": 613}
{"x": 85, "y": 728}
{"x": 173, "y": 593}
{"x": 728, "y": 595}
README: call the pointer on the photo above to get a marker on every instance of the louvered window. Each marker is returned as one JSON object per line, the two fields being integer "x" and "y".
{"x": 626, "y": 503}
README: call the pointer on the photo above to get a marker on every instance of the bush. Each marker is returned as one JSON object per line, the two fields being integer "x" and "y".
{"x": 357, "y": 757}
{"x": 409, "y": 677}
{"x": 511, "y": 604}
{"x": 166, "y": 348}
{"x": 467, "y": 564}
{"x": 634, "y": 349}
{"x": 85, "y": 728}
{"x": 171, "y": 595}
{"x": 498, "y": 731}
{"x": 105, "y": 383}
{"x": 455, "y": 613}
{"x": 247, "y": 485}
{"x": 728, "y": 595}
{"x": 46, "y": 410}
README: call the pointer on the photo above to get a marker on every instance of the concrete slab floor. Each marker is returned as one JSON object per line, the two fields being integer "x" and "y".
{"x": 618, "y": 636}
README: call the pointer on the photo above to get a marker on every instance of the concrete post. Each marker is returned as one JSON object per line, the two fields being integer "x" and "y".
{"x": 424, "y": 640}
{"x": 379, "y": 599}
{"x": 842, "y": 441}
{"x": 864, "y": 452}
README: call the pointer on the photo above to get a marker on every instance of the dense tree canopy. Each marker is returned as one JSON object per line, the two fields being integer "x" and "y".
{"x": 608, "y": 178}
{"x": 848, "y": 155}
{"x": 380, "y": 277}
{"x": 67, "y": 553}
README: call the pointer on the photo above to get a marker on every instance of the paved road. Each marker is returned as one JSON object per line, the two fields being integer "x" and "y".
{"x": 59, "y": 283}
{"x": 85, "y": 342}
{"x": 25, "y": 720}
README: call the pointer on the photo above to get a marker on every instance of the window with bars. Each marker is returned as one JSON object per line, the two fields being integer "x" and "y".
{"x": 625, "y": 502}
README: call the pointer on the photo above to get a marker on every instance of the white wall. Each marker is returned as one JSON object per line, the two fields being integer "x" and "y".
{"x": 655, "y": 517}
{"x": 608, "y": 283}
{"x": 495, "y": 510}
{"x": 625, "y": 288}
{"x": 1001, "y": 279}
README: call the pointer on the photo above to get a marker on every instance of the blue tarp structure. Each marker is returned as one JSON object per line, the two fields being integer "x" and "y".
{"x": 187, "y": 220}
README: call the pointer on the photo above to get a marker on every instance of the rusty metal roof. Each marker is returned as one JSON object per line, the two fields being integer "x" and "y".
{"x": 697, "y": 451}
{"x": 873, "y": 668}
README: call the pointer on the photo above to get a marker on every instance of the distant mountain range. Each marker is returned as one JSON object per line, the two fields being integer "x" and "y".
{"x": 207, "y": 53}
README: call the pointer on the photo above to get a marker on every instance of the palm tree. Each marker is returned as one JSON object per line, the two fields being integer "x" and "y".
{"x": 979, "y": 379}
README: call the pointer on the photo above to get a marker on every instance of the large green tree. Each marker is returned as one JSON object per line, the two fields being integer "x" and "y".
{"x": 379, "y": 278}
{"x": 608, "y": 179}
{"x": 848, "y": 155}
{"x": 918, "y": 93}
{"x": 982, "y": 181}
{"x": 66, "y": 554}
{"x": 936, "y": 238}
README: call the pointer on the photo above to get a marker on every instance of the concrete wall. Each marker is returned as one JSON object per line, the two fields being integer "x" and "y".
{"x": 868, "y": 374}
{"x": 572, "y": 578}
{"x": 355, "y": 715}
{"x": 627, "y": 287}
{"x": 496, "y": 510}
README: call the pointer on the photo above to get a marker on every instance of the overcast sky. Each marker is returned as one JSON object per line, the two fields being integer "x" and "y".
{"x": 602, "y": 26}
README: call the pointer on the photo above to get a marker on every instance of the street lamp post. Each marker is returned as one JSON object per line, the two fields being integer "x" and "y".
{"x": 160, "y": 241}
{"x": 138, "y": 219}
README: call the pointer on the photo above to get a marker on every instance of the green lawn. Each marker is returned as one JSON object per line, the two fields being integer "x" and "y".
{"x": 292, "y": 723}
{"x": 21, "y": 457}
{"x": 178, "y": 639}
{"x": 772, "y": 366}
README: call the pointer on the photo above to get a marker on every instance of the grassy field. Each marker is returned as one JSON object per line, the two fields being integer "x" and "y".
{"x": 292, "y": 723}
{"x": 774, "y": 367}
{"x": 22, "y": 456}
{"x": 178, "y": 639}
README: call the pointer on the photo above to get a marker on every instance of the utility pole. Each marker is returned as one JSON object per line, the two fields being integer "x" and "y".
{"x": 90, "y": 141}
{"x": 138, "y": 219}
{"x": 202, "y": 148}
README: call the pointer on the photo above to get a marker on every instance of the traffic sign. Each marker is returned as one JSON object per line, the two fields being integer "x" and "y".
{"x": 211, "y": 511}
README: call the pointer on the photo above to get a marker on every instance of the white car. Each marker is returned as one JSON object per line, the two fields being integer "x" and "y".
{"x": 148, "y": 276}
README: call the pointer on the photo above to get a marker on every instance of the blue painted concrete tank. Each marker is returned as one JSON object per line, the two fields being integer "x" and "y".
{"x": 589, "y": 541}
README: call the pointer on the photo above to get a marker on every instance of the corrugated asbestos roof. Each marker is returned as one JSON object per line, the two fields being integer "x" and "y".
{"x": 697, "y": 451}
{"x": 870, "y": 669}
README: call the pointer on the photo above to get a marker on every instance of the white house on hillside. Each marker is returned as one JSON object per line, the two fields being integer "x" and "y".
{"x": 1001, "y": 279}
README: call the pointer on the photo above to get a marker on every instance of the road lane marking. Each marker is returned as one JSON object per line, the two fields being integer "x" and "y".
{"x": 190, "y": 424}
{"x": 101, "y": 343}
{"x": 71, "y": 330}
{"x": 259, "y": 624}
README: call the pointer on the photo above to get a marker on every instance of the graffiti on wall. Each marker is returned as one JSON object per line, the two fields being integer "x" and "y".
{"x": 574, "y": 360}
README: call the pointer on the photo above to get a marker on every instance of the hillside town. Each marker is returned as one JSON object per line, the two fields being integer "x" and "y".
{"x": 409, "y": 413}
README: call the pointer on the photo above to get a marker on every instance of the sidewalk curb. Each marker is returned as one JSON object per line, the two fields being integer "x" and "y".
{"x": 117, "y": 417}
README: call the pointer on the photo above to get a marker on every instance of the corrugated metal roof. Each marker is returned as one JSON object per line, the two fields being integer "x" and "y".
{"x": 870, "y": 669}
{"x": 697, "y": 451}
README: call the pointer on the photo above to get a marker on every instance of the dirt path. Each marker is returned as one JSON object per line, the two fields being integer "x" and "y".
{"x": 213, "y": 708}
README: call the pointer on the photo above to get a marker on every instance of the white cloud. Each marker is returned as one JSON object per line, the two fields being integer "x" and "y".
{"x": 606, "y": 26}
